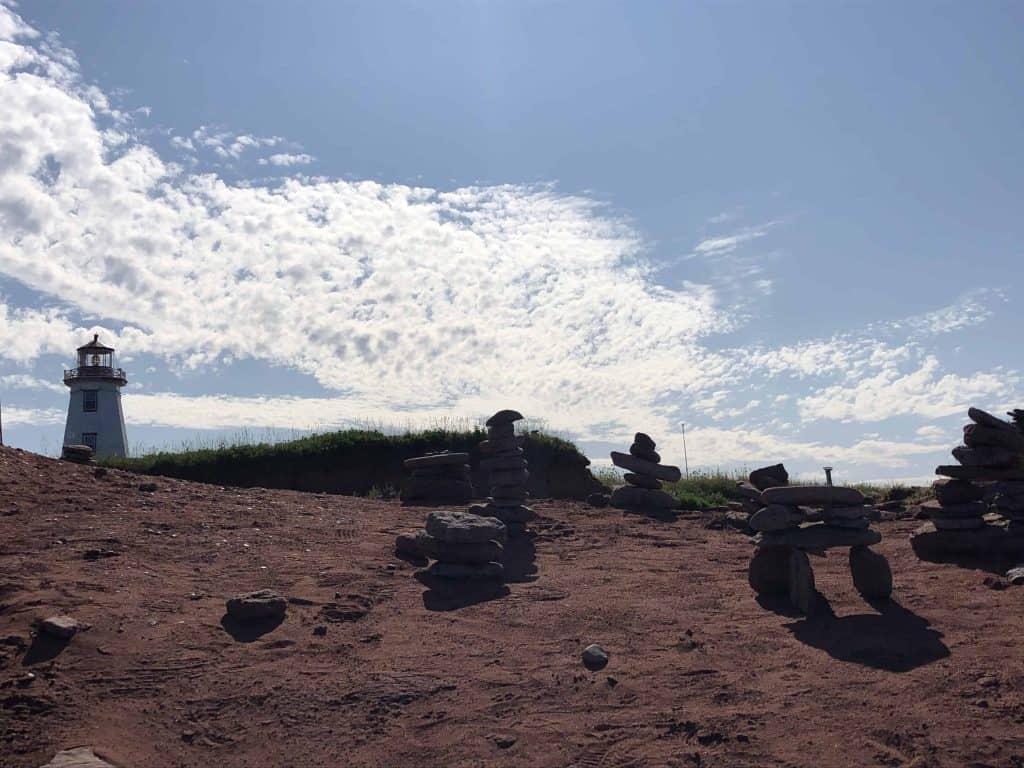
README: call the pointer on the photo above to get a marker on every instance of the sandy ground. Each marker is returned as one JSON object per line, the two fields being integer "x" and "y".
{"x": 701, "y": 674}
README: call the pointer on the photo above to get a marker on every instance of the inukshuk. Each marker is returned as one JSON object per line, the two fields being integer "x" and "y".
{"x": 780, "y": 565}
{"x": 442, "y": 478}
{"x": 505, "y": 463}
{"x": 644, "y": 473}
{"x": 989, "y": 478}
{"x": 462, "y": 545}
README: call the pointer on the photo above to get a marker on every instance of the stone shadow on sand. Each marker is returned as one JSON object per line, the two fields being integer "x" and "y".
{"x": 452, "y": 594}
{"x": 520, "y": 559}
{"x": 45, "y": 647}
{"x": 895, "y": 639}
{"x": 250, "y": 630}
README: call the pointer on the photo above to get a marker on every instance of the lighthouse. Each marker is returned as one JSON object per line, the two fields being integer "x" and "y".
{"x": 95, "y": 417}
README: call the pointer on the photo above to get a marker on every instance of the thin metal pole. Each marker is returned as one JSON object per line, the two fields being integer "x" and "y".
{"x": 686, "y": 461}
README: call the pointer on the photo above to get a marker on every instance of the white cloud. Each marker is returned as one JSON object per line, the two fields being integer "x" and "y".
{"x": 286, "y": 160}
{"x": 725, "y": 244}
{"x": 22, "y": 381}
{"x": 14, "y": 416}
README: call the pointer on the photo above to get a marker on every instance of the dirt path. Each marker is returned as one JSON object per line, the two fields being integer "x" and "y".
{"x": 700, "y": 673}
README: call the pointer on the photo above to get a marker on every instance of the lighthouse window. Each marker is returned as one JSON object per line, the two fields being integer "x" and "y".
{"x": 89, "y": 438}
{"x": 89, "y": 397}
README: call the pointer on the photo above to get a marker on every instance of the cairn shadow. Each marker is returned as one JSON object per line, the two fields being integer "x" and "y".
{"x": 987, "y": 560}
{"x": 249, "y": 630}
{"x": 895, "y": 639}
{"x": 44, "y": 648}
{"x": 520, "y": 559}
{"x": 453, "y": 594}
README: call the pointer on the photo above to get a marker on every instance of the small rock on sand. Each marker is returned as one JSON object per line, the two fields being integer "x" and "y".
{"x": 264, "y": 604}
{"x": 63, "y": 627}
{"x": 595, "y": 657}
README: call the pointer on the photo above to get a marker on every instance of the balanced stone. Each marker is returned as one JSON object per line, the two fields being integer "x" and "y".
{"x": 978, "y": 435}
{"x": 776, "y": 517}
{"x": 802, "y": 591}
{"x": 936, "y": 509}
{"x": 749, "y": 491}
{"x": 813, "y": 495}
{"x": 470, "y": 552}
{"x": 642, "y": 481}
{"x": 644, "y": 467}
{"x": 644, "y": 440}
{"x": 464, "y": 528}
{"x": 769, "y": 477}
{"x": 643, "y": 452}
{"x": 848, "y": 513}
{"x": 768, "y": 573}
{"x": 819, "y": 536}
{"x": 501, "y": 431}
{"x": 437, "y": 460}
{"x": 957, "y": 523}
{"x": 979, "y": 473}
{"x": 506, "y": 416}
{"x": 987, "y": 456}
{"x": 501, "y": 445}
{"x": 949, "y": 491}
{"x": 510, "y": 477}
{"x": 466, "y": 571}
{"x": 853, "y": 524}
{"x": 979, "y": 416}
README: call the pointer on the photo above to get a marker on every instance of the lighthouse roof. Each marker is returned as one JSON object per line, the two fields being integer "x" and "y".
{"x": 95, "y": 346}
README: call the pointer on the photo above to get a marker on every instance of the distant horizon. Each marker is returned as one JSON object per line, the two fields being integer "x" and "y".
{"x": 794, "y": 228}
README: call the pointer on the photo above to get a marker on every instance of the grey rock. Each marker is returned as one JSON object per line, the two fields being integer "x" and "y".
{"x": 847, "y": 513}
{"x": 642, "y": 481}
{"x": 813, "y": 495}
{"x": 464, "y": 528}
{"x": 475, "y": 552}
{"x": 642, "y": 467}
{"x": 871, "y": 573}
{"x": 986, "y": 419}
{"x": 769, "y": 477}
{"x": 63, "y": 627}
{"x": 802, "y": 591}
{"x": 776, "y": 517}
{"x": 979, "y": 473}
{"x": 466, "y": 571}
{"x": 79, "y": 757}
{"x": 748, "y": 491}
{"x": 768, "y": 573}
{"x": 935, "y": 510}
{"x": 506, "y": 416}
{"x": 631, "y": 497}
{"x": 594, "y": 657}
{"x": 436, "y": 460}
{"x": 819, "y": 536}
{"x": 987, "y": 456}
{"x": 643, "y": 452}
{"x": 518, "y": 513}
{"x": 263, "y": 604}
{"x": 976, "y": 435}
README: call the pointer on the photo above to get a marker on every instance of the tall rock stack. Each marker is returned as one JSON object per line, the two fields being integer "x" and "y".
{"x": 780, "y": 565}
{"x": 505, "y": 463}
{"x": 988, "y": 478}
{"x": 644, "y": 473}
{"x": 463, "y": 546}
{"x": 438, "y": 478}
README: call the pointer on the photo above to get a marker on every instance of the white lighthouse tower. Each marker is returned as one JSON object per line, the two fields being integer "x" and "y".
{"x": 95, "y": 417}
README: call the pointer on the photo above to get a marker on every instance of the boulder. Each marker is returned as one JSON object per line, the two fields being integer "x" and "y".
{"x": 776, "y": 517}
{"x": 464, "y": 528}
{"x": 768, "y": 572}
{"x": 631, "y": 497}
{"x": 819, "y": 536}
{"x": 643, "y": 467}
{"x": 769, "y": 477}
{"x": 263, "y": 604}
{"x": 871, "y": 573}
{"x": 506, "y": 416}
{"x": 813, "y": 495}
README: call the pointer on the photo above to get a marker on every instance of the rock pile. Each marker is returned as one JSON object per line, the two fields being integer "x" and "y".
{"x": 463, "y": 546}
{"x": 990, "y": 473}
{"x": 442, "y": 478}
{"x": 838, "y": 517}
{"x": 508, "y": 473}
{"x": 644, "y": 473}
{"x": 79, "y": 454}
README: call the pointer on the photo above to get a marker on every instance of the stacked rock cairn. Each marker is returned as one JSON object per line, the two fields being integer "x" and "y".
{"x": 463, "y": 546}
{"x": 797, "y": 519}
{"x": 644, "y": 473}
{"x": 506, "y": 465}
{"x": 442, "y": 478}
{"x": 988, "y": 478}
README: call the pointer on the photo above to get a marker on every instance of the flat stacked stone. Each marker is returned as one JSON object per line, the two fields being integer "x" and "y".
{"x": 462, "y": 545}
{"x": 644, "y": 474}
{"x": 780, "y": 565}
{"x": 442, "y": 478}
{"x": 753, "y": 503}
{"x": 505, "y": 462}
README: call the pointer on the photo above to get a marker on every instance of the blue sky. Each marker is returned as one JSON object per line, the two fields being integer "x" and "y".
{"x": 794, "y": 226}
